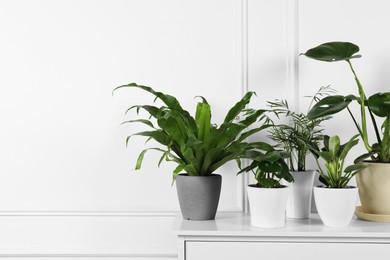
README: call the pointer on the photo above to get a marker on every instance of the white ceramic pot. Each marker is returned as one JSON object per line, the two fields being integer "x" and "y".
{"x": 374, "y": 188}
{"x": 335, "y": 206}
{"x": 299, "y": 198}
{"x": 267, "y": 206}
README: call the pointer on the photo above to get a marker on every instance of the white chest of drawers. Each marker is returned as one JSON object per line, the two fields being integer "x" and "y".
{"x": 231, "y": 237}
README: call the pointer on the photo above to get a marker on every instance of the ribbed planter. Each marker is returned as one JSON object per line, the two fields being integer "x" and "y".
{"x": 267, "y": 206}
{"x": 335, "y": 206}
{"x": 198, "y": 196}
{"x": 374, "y": 188}
{"x": 299, "y": 198}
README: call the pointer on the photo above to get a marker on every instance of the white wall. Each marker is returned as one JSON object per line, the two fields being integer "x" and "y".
{"x": 67, "y": 189}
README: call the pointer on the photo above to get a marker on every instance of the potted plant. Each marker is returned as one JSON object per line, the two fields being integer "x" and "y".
{"x": 335, "y": 200}
{"x": 268, "y": 197}
{"x": 291, "y": 137}
{"x": 374, "y": 180}
{"x": 197, "y": 146}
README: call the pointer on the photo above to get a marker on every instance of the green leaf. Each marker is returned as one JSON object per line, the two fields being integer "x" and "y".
{"x": 144, "y": 121}
{"x": 334, "y": 145}
{"x": 380, "y": 104}
{"x": 177, "y": 170}
{"x": 333, "y": 51}
{"x": 266, "y": 166}
{"x": 238, "y": 107}
{"x": 141, "y": 157}
{"x": 354, "y": 168}
{"x": 324, "y": 180}
{"x": 203, "y": 120}
{"x": 364, "y": 156}
{"x": 268, "y": 183}
{"x": 345, "y": 148}
{"x": 328, "y": 106}
{"x": 157, "y": 135}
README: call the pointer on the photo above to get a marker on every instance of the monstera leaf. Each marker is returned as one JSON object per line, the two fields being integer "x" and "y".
{"x": 328, "y": 106}
{"x": 333, "y": 51}
{"x": 380, "y": 104}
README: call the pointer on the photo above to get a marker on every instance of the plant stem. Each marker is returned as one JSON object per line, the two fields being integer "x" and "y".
{"x": 375, "y": 126}
{"x": 354, "y": 120}
{"x": 362, "y": 109}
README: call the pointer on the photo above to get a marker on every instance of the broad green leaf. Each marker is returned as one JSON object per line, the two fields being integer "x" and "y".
{"x": 354, "y": 167}
{"x": 327, "y": 156}
{"x": 334, "y": 145}
{"x": 362, "y": 157}
{"x": 380, "y": 104}
{"x": 268, "y": 183}
{"x": 203, "y": 120}
{"x": 238, "y": 107}
{"x": 328, "y": 106}
{"x": 267, "y": 166}
{"x": 324, "y": 180}
{"x": 345, "y": 148}
{"x": 212, "y": 156}
{"x": 333, "y": 51}
{"x": 326, "y": 142}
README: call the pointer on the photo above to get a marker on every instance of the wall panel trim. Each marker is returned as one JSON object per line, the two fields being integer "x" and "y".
{"x": 292, "y": 50}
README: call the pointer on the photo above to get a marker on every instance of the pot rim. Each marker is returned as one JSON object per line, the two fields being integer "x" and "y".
{"x": 186, "y": 175}
{"x": 305, "y": 171}
{"x": 349, "y": 187}
{"x": 375, "y": 163}
{"x": 255, "y": 187}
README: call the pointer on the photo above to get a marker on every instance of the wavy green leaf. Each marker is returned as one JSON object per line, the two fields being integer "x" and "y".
{"x": 333, "y": 51}
{"x": 380, "y": 104}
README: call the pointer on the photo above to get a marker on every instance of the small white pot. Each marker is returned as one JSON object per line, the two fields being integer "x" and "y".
{"x": 336, "y": 206}
{"x": 299, "y": 199}
{"x": 267, "y": 206}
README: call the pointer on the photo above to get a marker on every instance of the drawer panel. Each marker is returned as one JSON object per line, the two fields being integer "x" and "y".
{"x": 280, "y": 250}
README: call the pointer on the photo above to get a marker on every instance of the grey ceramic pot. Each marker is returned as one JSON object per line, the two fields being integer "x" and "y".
{"x": 198, "y": 195}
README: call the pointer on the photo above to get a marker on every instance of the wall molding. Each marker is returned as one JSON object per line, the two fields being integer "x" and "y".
{"x": 242, "y": 77}
{"x": 292, "y": 51}
{"x": 70, "y": 213}
{"x": 93, "y": 256}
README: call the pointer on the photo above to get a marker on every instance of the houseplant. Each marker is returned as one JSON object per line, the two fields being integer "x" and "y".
{"x": 374, "y": 180}
{"x": 336, "y": 200}
{"x": 197, "y": 146}
{"x": 268, "y": 197}
{"x": 291, "y": 136}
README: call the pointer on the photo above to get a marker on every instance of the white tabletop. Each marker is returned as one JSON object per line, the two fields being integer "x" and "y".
{"x": 238, "y": 225}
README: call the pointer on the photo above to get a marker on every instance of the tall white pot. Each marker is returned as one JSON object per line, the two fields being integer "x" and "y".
{"x": 299, "y": 198}
{"x": 336, "y": 206}
{"x": 267, "y": 206}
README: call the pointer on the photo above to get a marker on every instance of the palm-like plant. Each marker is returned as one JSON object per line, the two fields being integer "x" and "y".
{"x": 197, "y": 146}
{"x": 291, "y": 136}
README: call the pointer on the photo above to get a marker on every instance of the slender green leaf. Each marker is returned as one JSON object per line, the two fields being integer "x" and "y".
{"x": 238, "y": 107}
{"x": 144, "y": 121}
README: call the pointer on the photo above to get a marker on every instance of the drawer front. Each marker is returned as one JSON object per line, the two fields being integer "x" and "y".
{"x": 274, "y": 251}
